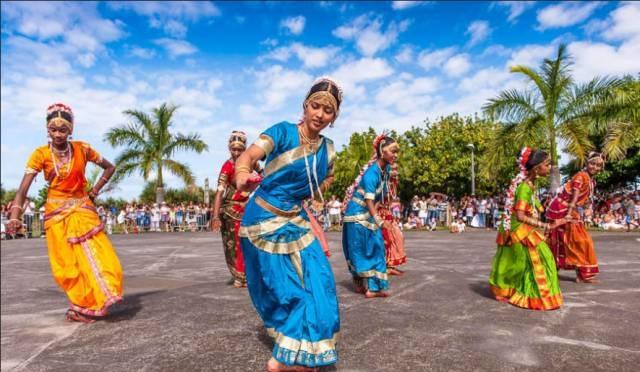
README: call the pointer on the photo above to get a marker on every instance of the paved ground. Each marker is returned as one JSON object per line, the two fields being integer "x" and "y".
{"x": 180, "y": 314}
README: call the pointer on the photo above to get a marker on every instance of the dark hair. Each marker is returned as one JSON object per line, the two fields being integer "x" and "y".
{"x": 536, "y": 157}
{"x": 60, "y": 114}
{"x": 326, "y": 86}
{"x": 384, "y": 142}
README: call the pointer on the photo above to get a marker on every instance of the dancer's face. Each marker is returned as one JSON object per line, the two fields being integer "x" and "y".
{"x": 595, "y": 166}
{"x": 318, "y": 115}
{"x": 544, "y": 168}
{"x": 59, "y": 134}
{"x": 236, "y": 151}
{"x": 390, "y": 153}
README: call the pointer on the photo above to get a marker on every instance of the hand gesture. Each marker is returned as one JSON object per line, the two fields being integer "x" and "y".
{"x": 215, "y": 225}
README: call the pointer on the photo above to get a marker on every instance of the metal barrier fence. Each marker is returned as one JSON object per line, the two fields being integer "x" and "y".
{"x": 33, "y": 225}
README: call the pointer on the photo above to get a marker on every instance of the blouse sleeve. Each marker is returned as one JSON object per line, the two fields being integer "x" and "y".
{"x": 270, "y": 140}
{"x": 370, "y": 184}
{"x": 579, "y": 181}
{"x": 523, "y": 198}
{"x": 226, "y": 173}
{"x": 35, "y": 163}
{"x": 91, "y": 154}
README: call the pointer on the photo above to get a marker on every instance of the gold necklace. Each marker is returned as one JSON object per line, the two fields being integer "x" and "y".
{"x": 310, "y": 142}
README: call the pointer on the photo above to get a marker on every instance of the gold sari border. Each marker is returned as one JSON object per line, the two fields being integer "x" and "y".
{"x": 283, "y": 247}
{"x": 271, "y": 225}
{"x": 310, "y": 347}
{"x": 288, "y": 157}
{"x": 265, "y": 143}
{"x": 275, "y": 210}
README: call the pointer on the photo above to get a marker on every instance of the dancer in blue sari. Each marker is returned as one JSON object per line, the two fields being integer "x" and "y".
{"x": 362, "y": 239}
{"x": 289, "y": 277}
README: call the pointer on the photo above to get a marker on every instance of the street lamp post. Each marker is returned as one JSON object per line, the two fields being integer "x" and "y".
{"x": 473, "y": 169}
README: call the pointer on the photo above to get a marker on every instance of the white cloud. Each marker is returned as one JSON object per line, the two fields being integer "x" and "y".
{"x": 170, "y": 16}
{"x": 275, "y": 86}
{"x": 143, "y": 52}
{"x": 565, "y": 14}
{"x": 430, "y": 59}
{"x": 366, "y": 31}
{"x": 531, "y": 55}
{"x": 405, "y": 55}
{"x": 294, "y": 25}
{"x": 457, "y": 65}
{"x": 491, "y": 77}
{"x": 350, "y": 74}
{"x": 176, "y": 48}
{"x": 311, "y": 57}
{"x": 478, "y": 31}
{"x": 516, "y": 8}
{"x": 77, "y": 30}
{"x": 599, "y": 59}
{"x": 407, "y": 96}
{"x": 406, "y": 4}
{"x": 624, "y": 22}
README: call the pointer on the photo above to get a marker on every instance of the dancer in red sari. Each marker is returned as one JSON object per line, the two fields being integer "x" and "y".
{"x": 571, "y": 244}
{"x": 391, "y": 233}
{"x": 231, "y": 203}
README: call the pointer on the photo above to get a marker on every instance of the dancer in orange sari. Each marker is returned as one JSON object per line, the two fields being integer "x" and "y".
{"x": 571, "y": 244}
{"x": 83, "y": 262}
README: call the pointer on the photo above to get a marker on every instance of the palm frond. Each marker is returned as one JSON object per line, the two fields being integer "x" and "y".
{"x": 587, "y": 99}
{"x": 576, "y": 135}
{"x": 511, "y": 105}
{"x": 142, "y": 121}
{"x": 542, "y": 85}
{"x": 190, "y": 141}
{"x": 620, "y": 136}
{"x": 126, "y": 135}
{"x": 179, "y": 169}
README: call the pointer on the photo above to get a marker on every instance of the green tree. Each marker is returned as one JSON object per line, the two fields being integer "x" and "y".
{"x": 350, "y": 160}
{"x": 150, "y": 147}
{"x": 556, "y": 108}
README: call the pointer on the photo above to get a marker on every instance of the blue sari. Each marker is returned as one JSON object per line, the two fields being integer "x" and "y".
{"x": 362, "y": 239}
{"x": 289, "y": 277}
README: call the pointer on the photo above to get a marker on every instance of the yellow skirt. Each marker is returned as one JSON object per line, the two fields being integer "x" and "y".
{"x": 83, "y": 262}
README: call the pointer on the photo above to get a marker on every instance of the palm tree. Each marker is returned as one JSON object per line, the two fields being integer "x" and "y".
{"x": 556, "y": 108}
{"x": 151, "y": 146}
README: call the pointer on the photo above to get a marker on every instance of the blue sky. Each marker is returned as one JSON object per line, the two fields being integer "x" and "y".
{"x": 233, "y": 65}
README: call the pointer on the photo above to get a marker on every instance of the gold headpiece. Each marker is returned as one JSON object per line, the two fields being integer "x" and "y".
{"x": 238, "y": 138}
{"x": 60, "y": 114}
{"x": 325, "y": 97}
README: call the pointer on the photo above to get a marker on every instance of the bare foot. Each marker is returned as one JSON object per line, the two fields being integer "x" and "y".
{"x": 357, "y": 282}
{"x": 394, "y": 271}
{"x": 369, "y": 294}
{"x": 74, "y": 316}
{"x": 586, "y": 281}
{"x": 502, "y": 299}
{"x": 274, "y": 366}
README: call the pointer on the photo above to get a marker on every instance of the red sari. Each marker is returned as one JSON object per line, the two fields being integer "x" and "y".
{"x": 571, "y": 244}
{"x": 393, "y": 240}
{"x": 233, "y": 203}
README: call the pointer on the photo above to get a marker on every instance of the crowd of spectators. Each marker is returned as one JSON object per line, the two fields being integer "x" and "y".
{"x": 608, "y": 211}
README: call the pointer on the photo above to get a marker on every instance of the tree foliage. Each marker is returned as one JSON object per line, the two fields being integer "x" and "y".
{"x": 150, "y": 147}
{"x": 555, "y": 107}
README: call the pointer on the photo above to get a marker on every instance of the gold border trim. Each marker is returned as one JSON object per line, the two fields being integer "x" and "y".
{"x": 288, "y": 157}
{"x": 275, "y": 210}
{"x": 283, "y": 247}
{"x": 265, "y": 143}
{"x": 271, "y": 225}
{"x": 315, "y": 348}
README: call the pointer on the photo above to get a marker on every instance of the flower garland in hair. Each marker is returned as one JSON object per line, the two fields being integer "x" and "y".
{"x": 508, "y": 204}
{"x": 350, "y": 190}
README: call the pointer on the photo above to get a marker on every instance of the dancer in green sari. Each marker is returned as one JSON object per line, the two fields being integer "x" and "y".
{"x": 524, "y": 272}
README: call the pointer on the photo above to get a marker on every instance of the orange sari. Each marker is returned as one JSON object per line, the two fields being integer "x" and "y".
{"x": 83, "y": 262}
{"x": 571, "y": 244}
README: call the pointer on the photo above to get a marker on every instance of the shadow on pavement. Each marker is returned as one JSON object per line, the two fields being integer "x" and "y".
{"x": 482, "y": 289}
{"x": 128, "y": 307}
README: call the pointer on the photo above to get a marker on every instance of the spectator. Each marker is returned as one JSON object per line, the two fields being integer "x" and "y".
{"x": 335, "y": 208}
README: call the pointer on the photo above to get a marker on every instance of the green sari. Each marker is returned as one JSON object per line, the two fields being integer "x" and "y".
{"x": 523, "y": 271}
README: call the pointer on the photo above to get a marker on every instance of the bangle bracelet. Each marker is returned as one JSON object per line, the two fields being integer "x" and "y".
{"x": 15, "y": 219}
{"x": 16, "y": 206}
{"x": 105, "y": 179}
{"x": 243, "y": 169}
